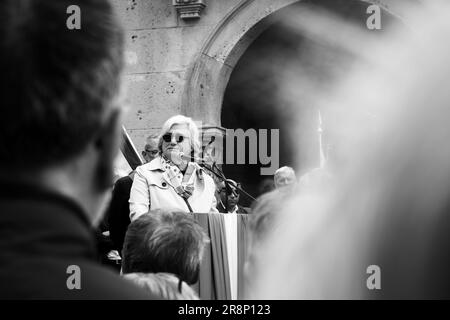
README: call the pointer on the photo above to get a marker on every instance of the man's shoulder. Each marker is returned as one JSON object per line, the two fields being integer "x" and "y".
{"x": 102, "y": 283}
{"x": 124, "y": 181}
{"x": 51, "y": 278}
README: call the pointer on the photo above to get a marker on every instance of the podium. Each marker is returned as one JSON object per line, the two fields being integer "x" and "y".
{"x": 221, "y": 270}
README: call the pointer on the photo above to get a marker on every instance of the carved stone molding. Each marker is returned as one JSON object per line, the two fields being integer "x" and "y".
{"x": 189, "y": 9}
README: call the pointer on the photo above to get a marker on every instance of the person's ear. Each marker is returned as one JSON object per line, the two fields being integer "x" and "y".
{"x": 108, "y": 141}
{"x": 143, "y": 154}
{"x": 107, "y": 145}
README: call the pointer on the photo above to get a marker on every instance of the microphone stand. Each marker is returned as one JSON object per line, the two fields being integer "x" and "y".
{"x": 201, "y": 162}
{"x": 222, "y": 177}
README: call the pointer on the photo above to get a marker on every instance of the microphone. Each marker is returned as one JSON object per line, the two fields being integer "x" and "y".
{"x": 213, "y": 168}
{"x": 189, "y": 158}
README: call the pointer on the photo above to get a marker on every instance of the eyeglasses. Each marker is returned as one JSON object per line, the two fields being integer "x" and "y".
{"x": 152, "y": 152}
{"x": 230, "y": 191}
{"x": 178, "y": 137}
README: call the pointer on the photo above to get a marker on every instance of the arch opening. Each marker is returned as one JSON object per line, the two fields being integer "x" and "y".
{"x": 255, "y": 97}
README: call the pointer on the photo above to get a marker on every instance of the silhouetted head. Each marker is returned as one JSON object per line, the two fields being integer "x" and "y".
{"x": 60, "y": 114}
{"x": 163, "y": 241}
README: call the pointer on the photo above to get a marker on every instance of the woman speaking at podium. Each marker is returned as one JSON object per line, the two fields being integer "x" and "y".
{"x": 171, "y": 181}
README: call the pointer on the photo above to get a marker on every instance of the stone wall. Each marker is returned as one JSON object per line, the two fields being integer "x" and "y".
{"x": 182, "y": 66}
{"x": 159, "y": 49}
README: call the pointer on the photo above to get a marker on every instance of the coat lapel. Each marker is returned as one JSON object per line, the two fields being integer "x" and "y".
{"x": 165, "y": 176}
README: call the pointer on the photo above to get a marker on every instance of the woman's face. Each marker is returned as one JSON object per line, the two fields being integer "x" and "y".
{"x": 177, "y": 140}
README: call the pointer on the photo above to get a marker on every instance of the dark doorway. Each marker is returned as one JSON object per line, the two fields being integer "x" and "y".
{"x": 255, "y": 98}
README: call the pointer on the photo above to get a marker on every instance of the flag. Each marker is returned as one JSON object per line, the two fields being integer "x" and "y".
{"x": 129, "y": 151}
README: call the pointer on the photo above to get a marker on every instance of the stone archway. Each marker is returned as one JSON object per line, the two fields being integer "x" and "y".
{"x": 270, "y": 85}
{"x": 208, "y": 76}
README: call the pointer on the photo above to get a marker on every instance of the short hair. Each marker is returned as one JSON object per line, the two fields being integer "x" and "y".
{"x": 232, "y": 185}
{"x": 164, "y": 241}
{"x": 283, "y": 170}
{"x": 57, "y": 84}
{"x": 152, "y": 137}
{"x": 193, "y": 130}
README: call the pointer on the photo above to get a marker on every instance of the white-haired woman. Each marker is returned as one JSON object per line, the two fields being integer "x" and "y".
{"x": 171, "y": 181}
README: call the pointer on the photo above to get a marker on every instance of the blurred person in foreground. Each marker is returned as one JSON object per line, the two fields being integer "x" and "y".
{"x": 171, "y": 180}
{"x": 162, "y": 253}
{"x": 59, "y": 104}
{"x": 266, "y": 185}
{"x": 389, "y": 216}
{"x": 325, "y": 177}
{"x": 261, "y": 223}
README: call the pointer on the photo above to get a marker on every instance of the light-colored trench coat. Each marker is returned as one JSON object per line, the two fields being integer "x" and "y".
{"x": 152, "y": 190}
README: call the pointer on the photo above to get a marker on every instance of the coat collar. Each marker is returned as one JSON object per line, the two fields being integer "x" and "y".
{"x": 155, "y": 164}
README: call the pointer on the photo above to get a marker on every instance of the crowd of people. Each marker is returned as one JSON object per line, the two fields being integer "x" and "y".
{"x": 170, "y": 181}
{"x": 59, "y": 136}
{"x": 62, "y": 98}
{"x": 61, "y": 102}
